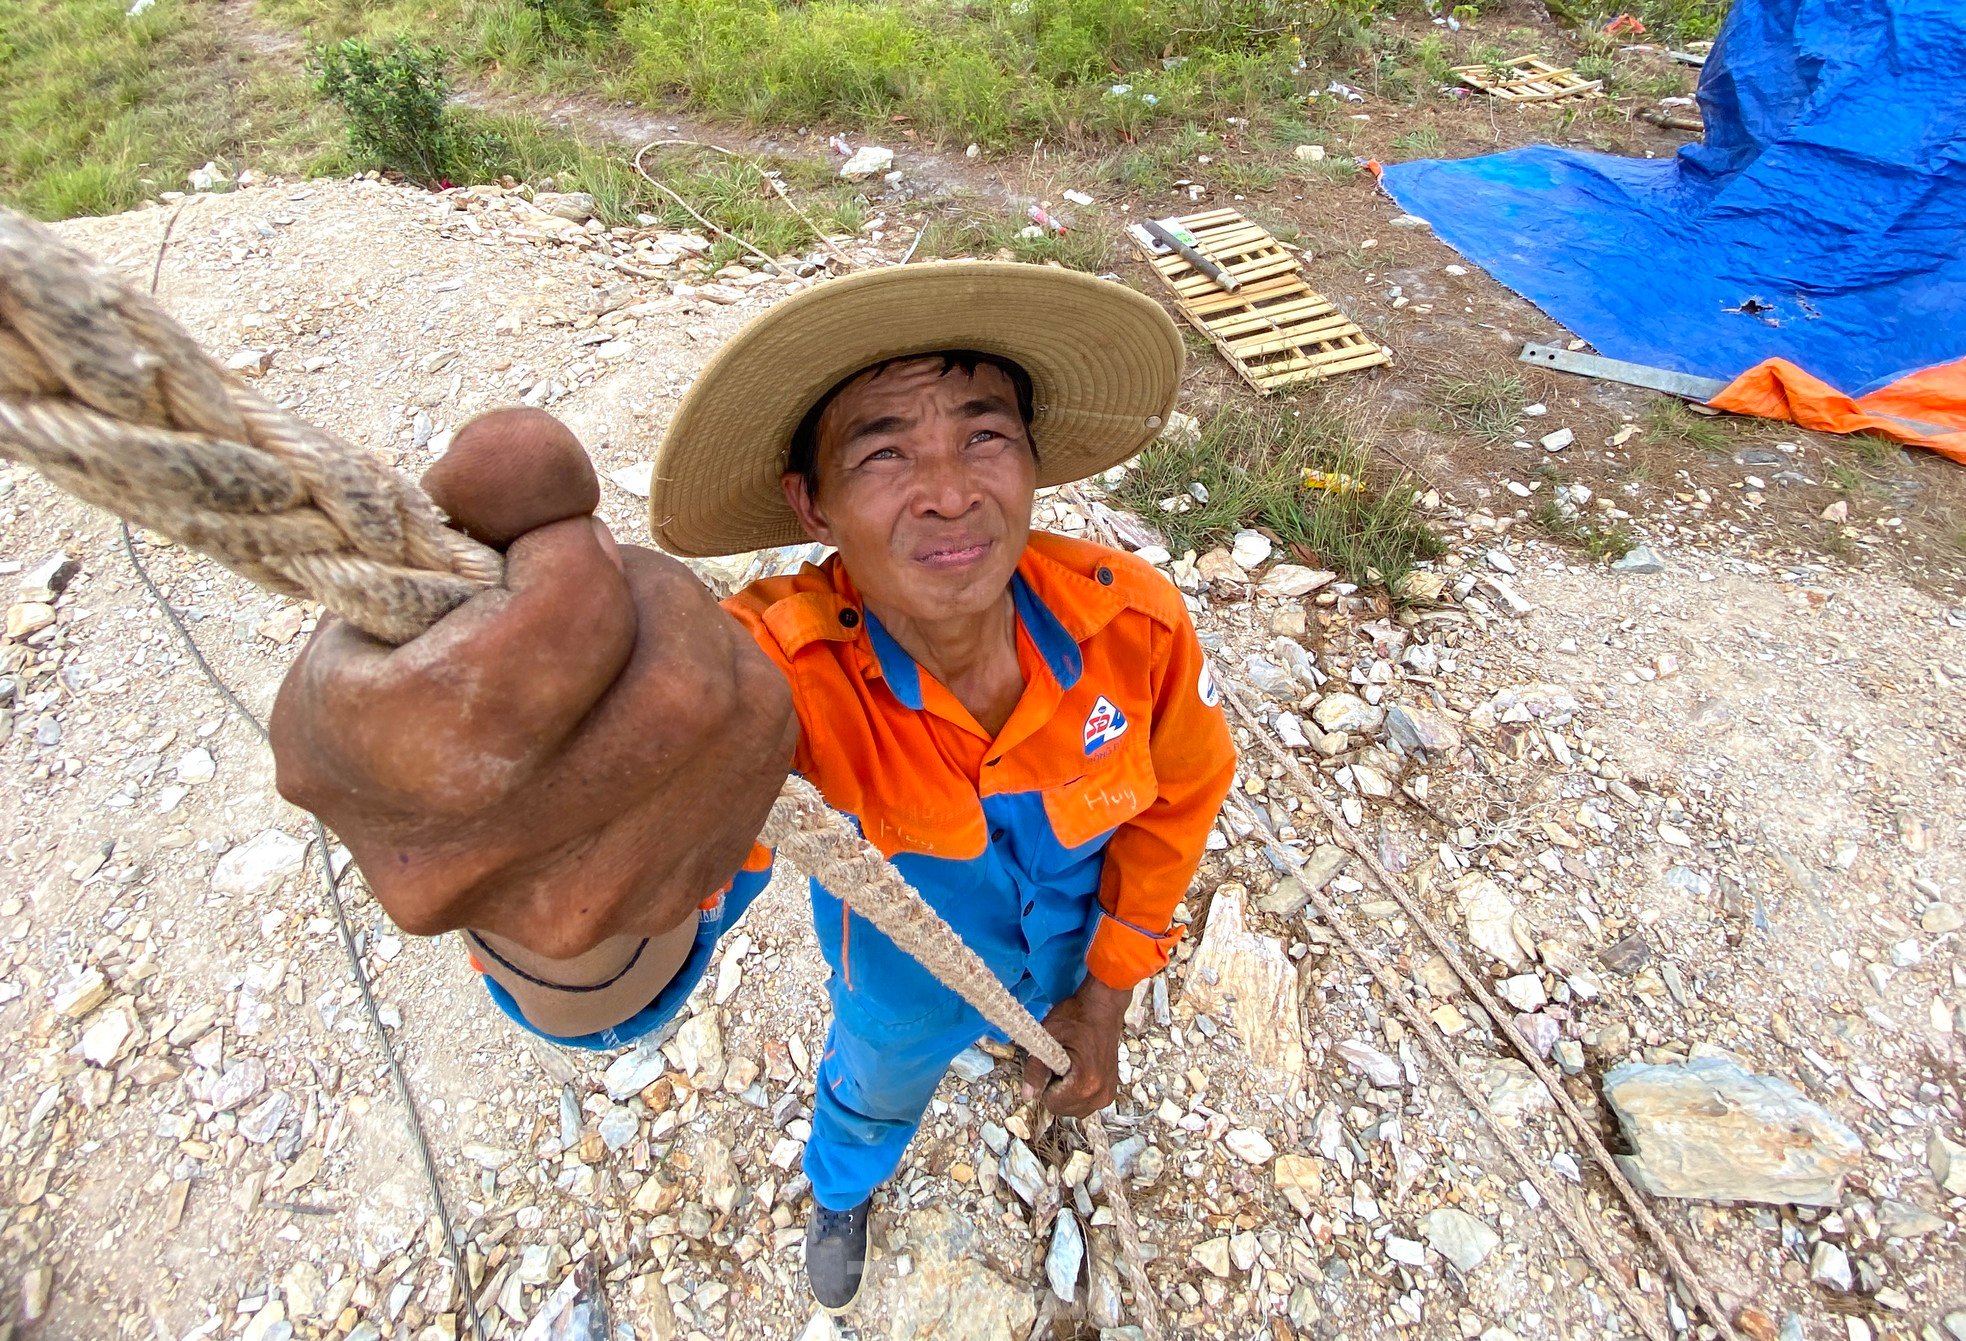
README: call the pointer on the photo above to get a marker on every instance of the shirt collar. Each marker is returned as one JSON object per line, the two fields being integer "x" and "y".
{"x": 1058, "y": 607}
{"x": 903, "y": 676}
{"x": 1048, "y": 634}
{"x": 1046, "y": 631}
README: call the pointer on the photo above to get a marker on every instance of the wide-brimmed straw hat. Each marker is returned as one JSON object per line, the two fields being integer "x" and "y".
{"x": 1105, "y": 366}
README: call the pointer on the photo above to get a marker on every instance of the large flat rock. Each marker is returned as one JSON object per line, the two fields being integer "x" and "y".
{"x": 1711, "y": 1131}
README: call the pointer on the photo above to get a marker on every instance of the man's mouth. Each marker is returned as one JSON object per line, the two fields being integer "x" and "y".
{"x": 954, "y": 556}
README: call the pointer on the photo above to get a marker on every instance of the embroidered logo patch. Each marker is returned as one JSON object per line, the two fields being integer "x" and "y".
{"x": 1103, "y": 725}
{"x": 1205, "y": 686}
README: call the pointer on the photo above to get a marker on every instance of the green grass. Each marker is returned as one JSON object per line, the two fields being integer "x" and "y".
{"x": 1874, "y": 448}
{"x": 1252, "y": 463}
{"x": 1337, "y": 171}
{"x": 1422, "y": 143}
{"x": 1436, "y": 60}
{"x": 1665, "y": 20}
{"x": 1142, "y": 171}
{"x": 731, "y": 192}
{"x": 1846, "y": 477}
{"x": 983, "y": 232}
{"x": 1602, "y": 540}
{"x": 1488, "y": 407}
{"x": 1247, "y": 176}
{"x": 99, "y": 111}
{"x": 1601, "y": 67}
{"x": 1669, "y": 421}
{"x": 996, "y": 72}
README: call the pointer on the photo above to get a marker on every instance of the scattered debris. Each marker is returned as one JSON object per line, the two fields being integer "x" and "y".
{"x": 868, "y": 161}
{"x": 1527, "y": 79}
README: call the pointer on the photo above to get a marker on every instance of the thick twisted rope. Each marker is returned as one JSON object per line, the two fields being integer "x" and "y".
{"x": 112, "y": 401}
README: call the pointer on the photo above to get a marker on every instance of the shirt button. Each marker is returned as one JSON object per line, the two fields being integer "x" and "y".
{"x": 1105, "y": 576}
{"x": 849, "y": 619}
{"x": 1029, "y": 908}
{"x": 996, "y": 835}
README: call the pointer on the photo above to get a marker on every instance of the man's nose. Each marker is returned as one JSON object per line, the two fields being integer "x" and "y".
{"x": 945, "y": 484}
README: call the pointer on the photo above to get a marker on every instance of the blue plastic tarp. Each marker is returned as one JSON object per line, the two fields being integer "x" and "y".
{"x": 1831, "y": 190}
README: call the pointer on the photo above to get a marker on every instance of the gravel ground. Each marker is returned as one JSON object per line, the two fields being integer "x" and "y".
{"x": 1703, "y": 816}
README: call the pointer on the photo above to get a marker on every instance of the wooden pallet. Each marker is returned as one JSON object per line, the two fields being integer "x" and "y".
{"x": 1276, "y": 331}
{"x": 1530, "y": 79}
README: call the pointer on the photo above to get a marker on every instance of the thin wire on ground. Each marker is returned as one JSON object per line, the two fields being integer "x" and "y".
{"x": 331, "y": 882}
{"x": 1661, "y": 1238}
{"x": 777, "y": 187}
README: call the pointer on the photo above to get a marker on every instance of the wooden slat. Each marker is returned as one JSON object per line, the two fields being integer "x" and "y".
{"x": 1277, "y": 286}
{"x": 1272, "y": 318}
{"x": 1198, "y": 283}
{"x": 1275, "y": 330}
{"x": 1218, "y": 305}
{"x": 1250, "y": 244}
{"x": 1207, "y": 218}
{"x": 1320, "y": 371}
{"x": 1294, "y": 328}
{"x": 1302, "y": 307}
{"x": 1349, "y": 356}
{"x": 1259, "y": 267}
{"x": 1253, "y": 250}
{"x": 1315, "y": 355}
{"x": 1247, "y": 268}
{"x": 1530, "y": 79}
{"x": 1577, "y": 91}
{"x": 1329, "y": 328}
{"x": 1223, "y": 239}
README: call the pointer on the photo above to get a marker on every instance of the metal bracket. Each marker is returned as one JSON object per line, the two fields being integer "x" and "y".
{"x": 1684, "y": 385}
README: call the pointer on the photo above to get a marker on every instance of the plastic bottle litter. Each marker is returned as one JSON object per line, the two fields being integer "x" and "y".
{"x": 1037, "y": 215}
{"x": 1332, "y": 481}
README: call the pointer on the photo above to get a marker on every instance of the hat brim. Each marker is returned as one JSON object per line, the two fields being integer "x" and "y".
{"x": 1105, "y": 366}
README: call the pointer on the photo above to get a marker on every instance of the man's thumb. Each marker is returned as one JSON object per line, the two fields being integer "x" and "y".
{"x": 512, "y": 471}
{"x": 1036, "y": 1076}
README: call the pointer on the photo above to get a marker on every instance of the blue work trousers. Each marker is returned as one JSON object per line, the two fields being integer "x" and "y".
{"x": 895, "y": 1029}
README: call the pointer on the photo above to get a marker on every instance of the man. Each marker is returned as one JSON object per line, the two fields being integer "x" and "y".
{"x": 572, "y": 767}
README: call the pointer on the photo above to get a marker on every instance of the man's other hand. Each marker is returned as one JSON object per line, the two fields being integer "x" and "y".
{"x": 585, "y": 752}
{"x": 1088, "y": 1024}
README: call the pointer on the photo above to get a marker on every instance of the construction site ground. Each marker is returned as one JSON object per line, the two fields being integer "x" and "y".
{"x": 1740, "y": 776}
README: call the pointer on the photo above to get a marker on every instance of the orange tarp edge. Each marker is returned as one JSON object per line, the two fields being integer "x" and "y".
{"x": 1926, "y": 409}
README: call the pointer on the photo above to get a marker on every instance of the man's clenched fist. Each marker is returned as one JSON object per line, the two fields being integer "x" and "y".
{"x": 585, "y": 752}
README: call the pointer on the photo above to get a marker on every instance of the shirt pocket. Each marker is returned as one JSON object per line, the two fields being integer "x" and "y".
{"x": 1113, "y": 789}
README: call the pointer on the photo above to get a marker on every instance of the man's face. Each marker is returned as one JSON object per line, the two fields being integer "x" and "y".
{"x": 925, "y": 487}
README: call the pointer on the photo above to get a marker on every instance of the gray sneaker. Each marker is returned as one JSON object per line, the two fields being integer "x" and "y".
{"x": 836, "y": 1255}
